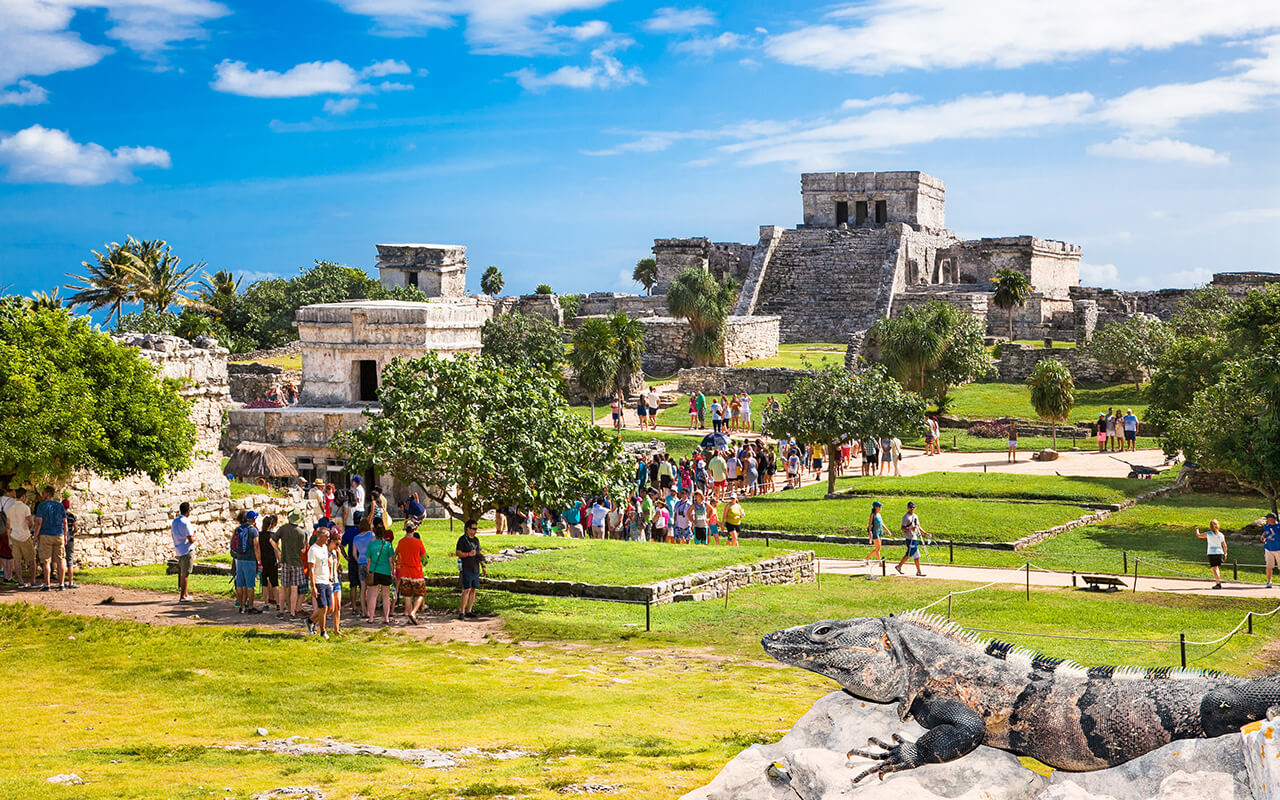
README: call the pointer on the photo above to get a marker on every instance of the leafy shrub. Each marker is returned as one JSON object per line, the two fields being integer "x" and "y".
{"x": 990, "y": 429}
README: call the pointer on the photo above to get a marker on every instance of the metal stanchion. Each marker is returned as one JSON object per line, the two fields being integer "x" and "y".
{"x": 1028, "y": 580}
{"x": 951, "y": 552}
{"x": 1250, "y": 623}
{"x": 1182, "y": 645}
{"x": 647, "y": 602}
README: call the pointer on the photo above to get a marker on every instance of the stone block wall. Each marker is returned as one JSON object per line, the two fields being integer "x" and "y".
{"x": 911, "y": 197}
{"x": 674, "y": 256}
{"x": 439, "y": 270}
{"x": 730, "y": 260}
{"x": 1051, "y": 266}
{"x": 249, "y": 382}
{"x": 752, "y": 380}
{"x": 1017, "y": 361}
{"x": 546, "y": 306}
{"x": 666, "y": 342}
{"x": 633, "y": 305}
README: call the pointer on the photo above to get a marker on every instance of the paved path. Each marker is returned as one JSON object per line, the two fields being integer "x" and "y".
{"x": 980, "y": 575}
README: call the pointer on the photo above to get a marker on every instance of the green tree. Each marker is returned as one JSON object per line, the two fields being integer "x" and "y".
{"x": 1201, "y": 310}
{"x": 491, "y": 281}
{"x": 1053, "y": 393}
{"x": 543, "y": 288}
{"x": 1012, "y": 290}
{"x": 831, "y": 404}
{"x": 263, "y": 318}
{"x": 1135, "y": 345}
{"x": 159, "y": 278}
{"x": 932, "y": 349}
{"x": 628, "y": 333}
{"x": 526, "y": 339}
{"x": 704, "y": 302}
{"x": 595, "y": 358}
{"x": 479, "y": 434}
{"x": 108, "y": 281}
{"x": 570, "y": 303}
{"x": 646, "y": 274}
{"x": 72, "y": 398}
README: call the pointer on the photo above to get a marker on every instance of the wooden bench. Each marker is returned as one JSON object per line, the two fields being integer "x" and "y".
{"x": 1102, "y": 583}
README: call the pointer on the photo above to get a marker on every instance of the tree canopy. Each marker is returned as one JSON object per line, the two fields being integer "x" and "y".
{"x": 1135, "y": 345}
{"x": 72, "y": 398}
{"x": 478, "y": 434}
{"x": 527, "y": 339}
{"x": 1053, "y": 393}
{"x": 144, "y": 271}
{"x": 646, "y": 274}
{"x": 1012, "y": 290}
{"x": 932, "y": 349}
{"x": 831, "y": 404}
{"x": 704, "y": 302}
{"x": 491, "y": 281}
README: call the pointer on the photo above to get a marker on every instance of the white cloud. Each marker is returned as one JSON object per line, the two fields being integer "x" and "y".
{"x": 678, "y": 20}
{"x": 506, "y": 27}
{"x": 45, "y": 155}
{"x": 708, "y": 46}
{"x": 305, "y": 80}
{"x": 655, "y": 141}
{"x": 894, "y": 99}
{"x": 343, "y": 105}
{"x": 36, "y": 36}
{"x": 886, "y": 35}
{"x": 1098, "y": 274}
{"x": 591, "y": 29}
{"x": 1164, "y": 149}
{"x": 604, "y": 72}
{"x": 26, "y": 94}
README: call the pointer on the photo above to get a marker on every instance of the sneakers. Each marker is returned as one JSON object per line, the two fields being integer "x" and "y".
{"x": 44, "y": 588}
{"x": 899, "y": 569}
{"x": 919, "y": 574}
{"x": 1268, "y": 584}
{"x": 73, "y": 585}
{"x": 252, "y": 610}
{"x": 311, "y": 627}
{"x": 325, "y": 634}
{"x": 1217, "y": 586}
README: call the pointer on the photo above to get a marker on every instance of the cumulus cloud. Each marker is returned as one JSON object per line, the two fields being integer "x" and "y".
{"x": 25, "y": 94}
{"x": 679, "y": 20}
{"x": 708, "y": 46}
{"x": 1098, "y": 274}
{"x": 46, "y": 155}
{"x": 886, "y": 35}
{"x": 1164, "y": 149}
{"x": 894, "y": 99}
{"x": 604, "y": 72}
{"x": 306, "y": 80}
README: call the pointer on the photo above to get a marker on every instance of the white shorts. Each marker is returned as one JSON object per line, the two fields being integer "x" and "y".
{"x": 1273, "y": 557}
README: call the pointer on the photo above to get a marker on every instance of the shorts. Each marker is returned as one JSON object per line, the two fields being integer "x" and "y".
{"x": 1102, "y": 438}
{"x": 379, "y": 579}
{"x": 928, "y": 440}
{"x": 337, "y": 588}
{"x": 364, "y": 573}
{"x": 575, "y": 530}
{"x": 642, "y": 411}
{"x": 413, "y": 587}
{"x": 730, "y": 527}
{"x": 684, "y": 535}
{"x": 913, "y": 549}
{"x": 615, "y": 416}
{"x": 1013, "y": 442}
{"x": 324, "y": 595}
{"x": 720, "y": 485}
{"x": 746, "y": 415}
{"x": 1131, "y": 436}
{"x": 271, "y": 575}
{"x": 1272, "y": 557}
{"x": 50, "y": 548}
{"x": 597, "y": 531}
{"x": 1215, "y": 559}
{"x": 699, "y": 535}
{"x": 246, "y": 573}
{"x": 184, "y": 565}
{"x": 292, "y": 575}
{"x": 817, "y": 463}
{"x": 24, "y": 552}
{"x": 353, "y": 575}
{"x": 470, "y": 580}
{"x": 68, "y": 548}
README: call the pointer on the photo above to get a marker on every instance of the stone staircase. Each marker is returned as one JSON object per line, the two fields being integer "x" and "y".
{"x": 826, "y": 283}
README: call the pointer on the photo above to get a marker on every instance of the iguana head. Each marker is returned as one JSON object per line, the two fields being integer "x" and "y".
{"x": 860, "y": 654}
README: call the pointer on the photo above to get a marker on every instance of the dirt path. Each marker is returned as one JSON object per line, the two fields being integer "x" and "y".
{"x": 156, "y": 608}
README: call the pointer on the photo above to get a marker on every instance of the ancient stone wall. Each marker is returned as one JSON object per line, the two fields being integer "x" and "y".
{"x": 911, "y": 197}
{"x": 752, "y": 380}
{"x": 674, "y": 256}
{"x": 730, "y": 260}
{"x": 1237, "y": 283}
{"x": 1051, "y": 266}
{"x": 249, "y": 382}
{"x": 666, "y": 342}
{"x": 546, "y": 306}
{"x": 1017, "y": 361}
{"x": 633, "y": 305}
{"x": 439, "y": 270}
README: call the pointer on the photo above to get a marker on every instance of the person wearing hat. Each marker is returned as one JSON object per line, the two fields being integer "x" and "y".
{"x": 911, "y": 532}
{"x": 244, "y": 550}
{"x": 291, "y": 542}
{"x": 315, "y": 499}
{"x": 1271, "y": 543}
{"x": 357, "y": 491}
{"x": 875, "y": 532}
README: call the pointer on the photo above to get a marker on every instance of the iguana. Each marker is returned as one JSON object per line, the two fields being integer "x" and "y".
{"x": 968, "y": 691}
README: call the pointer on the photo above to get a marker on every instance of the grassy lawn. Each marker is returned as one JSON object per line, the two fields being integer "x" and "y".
{"x": 804, "y": 355}
{"x": 992, "y": 400}
{"x": 1039, "y": 344}
{"x": 678, "y": 444}
{"x": 998, "y": 485}
{"x": 293, "y": 362}
{"x": 960, "y": 441}
{"x": 244, "y": 489}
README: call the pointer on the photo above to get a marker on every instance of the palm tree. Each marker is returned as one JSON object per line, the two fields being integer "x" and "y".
{"x": 646, "y": 274}
{"x": 1012, "y": 291}
{"x": 49, "y": 301}
{"x": 221, "y": 284}
{"x": 629, "y": 334}
{"x": 595, "y": 359}
{"x": 491, "y": 281}
{"x": 109, "y": 282}
{"x": 161, "y": 280}
{"x": 698, "y": 298}
{"x": 1052, "y": 393}
{"x": 912, "y": 343}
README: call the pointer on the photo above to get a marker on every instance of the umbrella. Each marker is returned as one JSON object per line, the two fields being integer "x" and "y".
{"x": 258, "y": 460}
{"x": 715, "y": 441}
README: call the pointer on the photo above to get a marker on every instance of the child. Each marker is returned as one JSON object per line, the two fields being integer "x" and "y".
{"x": 713, "y": 523}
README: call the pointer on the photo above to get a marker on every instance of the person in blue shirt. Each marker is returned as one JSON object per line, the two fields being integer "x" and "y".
{"x": 1271, "y": 544}
{"x": 52, "y": 519}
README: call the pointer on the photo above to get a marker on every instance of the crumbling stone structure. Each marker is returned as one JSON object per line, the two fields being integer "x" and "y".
{"x": 439, "y": 270}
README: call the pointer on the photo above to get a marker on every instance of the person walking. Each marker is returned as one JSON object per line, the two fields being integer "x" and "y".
{"x": 470, "y": 568}
{"x": 1271, "y": 543}
{"x": 652, "y": 401}
{"x": 1217, "y": 549}
{"x": 875, "y": 532}
{"x": 895, "y": 450}
{"x": 380, "y": 553}
{"x": 1013, "y": 441}
{"x": 6, "y": 548}
{"x": 244, "y": 551}
{"x": 184, "y": 545}
{"x": 321, "y": 585}
{"x": 411, "y": 555}
{"x": 291, "y": 544}
{"x": 335, "y": 575}
{"x": 270, "y": 572}
{"x": 911, "y": 533}
{"x": 51, "y": 522}
{"x": 21, "y": 525}
{"x": 68, "y": 549}
{"x": 733, "y": 516}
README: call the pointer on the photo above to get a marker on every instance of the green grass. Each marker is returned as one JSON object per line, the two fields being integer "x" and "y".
{"x": 241, "y": 489}
{"x": 998, "y": 485}
{"x": 679, "y": 444}
{"x": 802, "y": 356}
{"x": 292, "y": 362}
{"x": 1039, "y": 344}
{"x": 960, "y": 441}
{"x": 995, "y": 400}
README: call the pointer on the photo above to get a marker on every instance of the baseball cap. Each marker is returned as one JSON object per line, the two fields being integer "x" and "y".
{"x": 911, "y": 504}
{"x": 251, "y": 515}
{"x": 356, "y": 479}
{"x": 876, "y": 504}
{"x": 1271, "y": 515}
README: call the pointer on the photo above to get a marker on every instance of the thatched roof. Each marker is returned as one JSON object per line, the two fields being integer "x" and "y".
{"x": 259, "y": 460}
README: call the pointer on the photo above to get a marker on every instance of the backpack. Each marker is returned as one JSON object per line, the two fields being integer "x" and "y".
{"x": 242, "y": 543}
{"x": 4, "y": 518}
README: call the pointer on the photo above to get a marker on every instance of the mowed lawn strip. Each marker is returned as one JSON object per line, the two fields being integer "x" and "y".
{"x": 996, "y": 485}
{"x": 995, "y": 400}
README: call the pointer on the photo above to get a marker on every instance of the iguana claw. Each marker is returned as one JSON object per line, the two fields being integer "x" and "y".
{"x": 894, "y": 757}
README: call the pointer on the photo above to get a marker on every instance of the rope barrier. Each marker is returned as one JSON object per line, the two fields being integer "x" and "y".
{"x": 949, "y": 595}
{"x": 1074, "y": 638}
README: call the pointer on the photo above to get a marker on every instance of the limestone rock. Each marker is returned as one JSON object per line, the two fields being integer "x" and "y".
{"x": 1048, "y": 454}
{"x": 1212, "y": 769}
{"x": 69, "y": 779}
{"x": 1262, "y": 758}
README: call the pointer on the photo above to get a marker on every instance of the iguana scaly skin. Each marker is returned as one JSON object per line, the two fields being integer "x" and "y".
{"x": 968, "y": 692}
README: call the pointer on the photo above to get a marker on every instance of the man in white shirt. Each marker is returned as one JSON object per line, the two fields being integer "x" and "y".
{"x": 357, "y": 489}
{"x": 315, "y": 500}
{"x": 321, "y": 584}
{"x": 184, "y": 545}
{"x": 598, "y": 512}
{"x": 911, "y": 533}
{"x": 744, "y": 403}
{"x": 7, "y": 563}
{"x": 651, "y": 401}
{"x": 18, "y": 515}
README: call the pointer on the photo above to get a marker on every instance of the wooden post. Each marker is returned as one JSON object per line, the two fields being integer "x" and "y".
{"x": 726, "y": 594}
{"x": 646, "y": 614}
{"x": 1073, "y": 579}
{"x": 766, "y": 540}
{"x": 1182, "y": 645}
{"x": 817, "y": 566}
{"x": 883, "y": 570}
{"x": 1135, "y": 575}
{"x": 948, "y": 605}
{"x": 951, "y": 552}
{"x": 1235, "y": 570}
{"x": 1125, "y": 571}
{"x": 1250, "y": 623}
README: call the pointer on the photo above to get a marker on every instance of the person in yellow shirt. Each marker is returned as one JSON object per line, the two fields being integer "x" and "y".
{"x": 733, "y": 516}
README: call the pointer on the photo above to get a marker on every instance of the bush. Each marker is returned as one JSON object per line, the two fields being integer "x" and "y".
{"x": 989, "y": 430}
{"x": 543, "y": 288}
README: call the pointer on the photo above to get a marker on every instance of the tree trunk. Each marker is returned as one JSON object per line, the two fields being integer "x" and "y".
{"x": 591, "y": 398}
{"x": 833, "y": 452}
{"x": 1011, "y": 323}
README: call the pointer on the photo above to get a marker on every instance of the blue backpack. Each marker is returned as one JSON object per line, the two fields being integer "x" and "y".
{"x": 242, "y": 542}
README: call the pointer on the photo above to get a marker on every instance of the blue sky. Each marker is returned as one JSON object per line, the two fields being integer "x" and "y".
{"x": 558, "y": 138}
